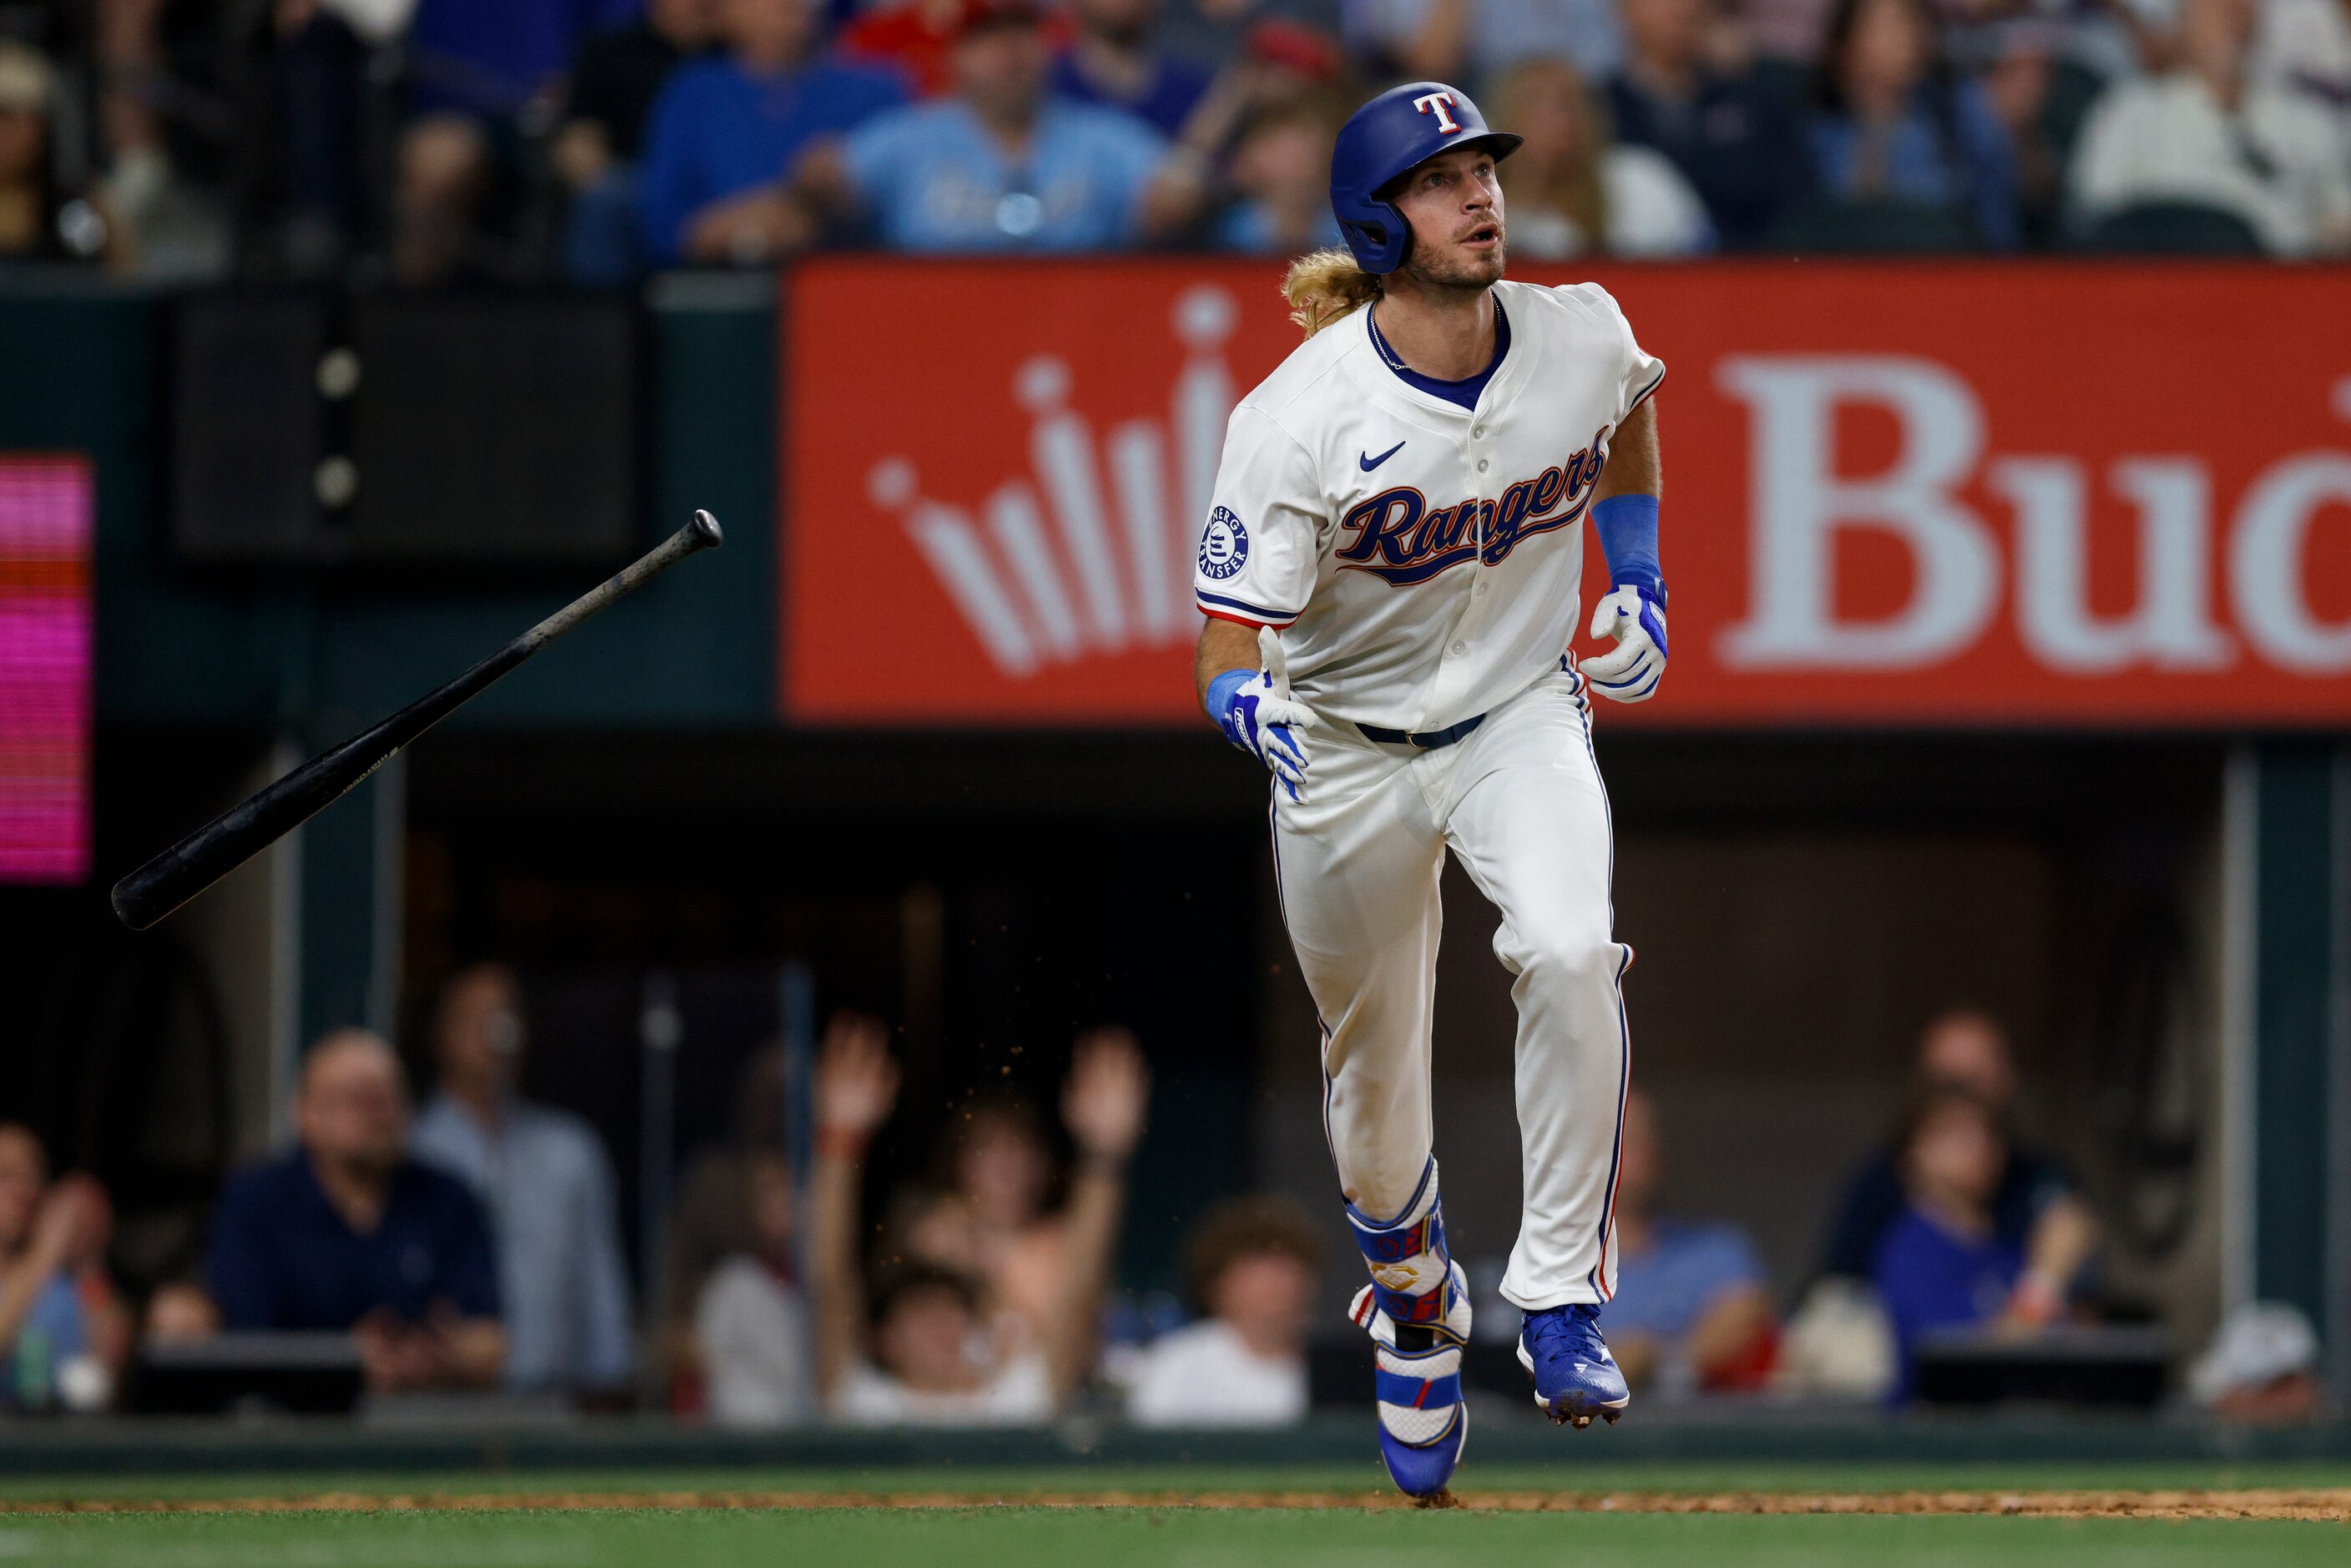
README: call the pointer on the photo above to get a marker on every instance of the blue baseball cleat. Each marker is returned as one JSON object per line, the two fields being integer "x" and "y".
{"x": 1416, "y": 1309}
{"x": 1424, "y": 1423}
{"x": 1575, "y": 1377}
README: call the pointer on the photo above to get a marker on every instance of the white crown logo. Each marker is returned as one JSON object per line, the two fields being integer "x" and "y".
{"x": 1098, "y": 580}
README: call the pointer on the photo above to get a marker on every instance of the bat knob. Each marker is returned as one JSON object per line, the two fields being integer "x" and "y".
{"x": 706, "y": 529}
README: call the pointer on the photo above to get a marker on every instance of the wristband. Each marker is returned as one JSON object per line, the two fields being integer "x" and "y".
{"x": 1627, "y": 526}
{"x": 1219, "y": 703}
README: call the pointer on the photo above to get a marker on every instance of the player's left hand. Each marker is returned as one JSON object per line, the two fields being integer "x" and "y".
{"x": 1636, "y": 619}
{"x": 1263, "y": 719}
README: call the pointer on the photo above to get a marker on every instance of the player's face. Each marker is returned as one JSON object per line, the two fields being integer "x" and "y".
{"x": 1454, "y": 202}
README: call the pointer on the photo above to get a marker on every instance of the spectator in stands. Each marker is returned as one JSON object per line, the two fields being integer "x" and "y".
{"x": 1892, "y": 128}
{"x": 1945, "y": 1264}
{"x": 1112, "y": 61}
{"x": 1004, "y": 164}
{"x": 485, "y": 79}
{"x": 751, "y": 1323}
{"x": 346, "y": 1231}
{"x": 39, "y": 221}
{"x": 614, "y": 82}
{"x": 63, "y": 1337}
{"x": 986, "y": 1218}
{"x": 928, "y": 1354}
{"x": 1253, "y": 1264}
{"x": 1281, "y": 179}
{"x": 727, "y": 131}
{"x": 716, "y": 1217}
{"x": 2210, "y": 134}
{"x": 1692, "y": 1309}
{"x": 1571, "y": 193}
{"x": 1468, "y": 41}
{"x": 1283, "y": 78}
{"x": 2034, "y": 1207}
{"x": 543, "y": 1178}
{"x": 1738, "y": 144}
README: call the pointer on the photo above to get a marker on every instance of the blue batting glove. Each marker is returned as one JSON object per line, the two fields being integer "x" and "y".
{"x": 1258, "y": 715}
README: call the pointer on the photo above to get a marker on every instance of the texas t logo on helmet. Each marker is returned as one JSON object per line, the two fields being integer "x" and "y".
{"x": 1381, "y": 143}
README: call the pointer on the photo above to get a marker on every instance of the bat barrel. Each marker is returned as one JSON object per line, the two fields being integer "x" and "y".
{"x": 237, "y": 834}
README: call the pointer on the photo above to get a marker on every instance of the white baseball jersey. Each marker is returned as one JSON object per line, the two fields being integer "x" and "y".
{"x": 1423, "y": 559}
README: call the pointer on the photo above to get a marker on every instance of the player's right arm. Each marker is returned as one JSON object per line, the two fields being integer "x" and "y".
{"x": 1256, "y": 571}
{"x": 1246, "y": 691}
{"x": 1226, "y": 647}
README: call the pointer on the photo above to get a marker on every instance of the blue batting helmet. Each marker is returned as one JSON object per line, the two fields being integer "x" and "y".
{"x": 1381, "y": 142}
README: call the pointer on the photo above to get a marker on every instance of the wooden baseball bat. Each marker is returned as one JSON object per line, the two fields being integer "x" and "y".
{"x": 237, "y": 834}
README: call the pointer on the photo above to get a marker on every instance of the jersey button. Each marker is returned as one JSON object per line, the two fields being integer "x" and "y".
{"x": 1460, "y": 648}
{"x": 1477, "y": 430}
{"x": 1482, "y": 466}
{"x": 1481, "y": 588}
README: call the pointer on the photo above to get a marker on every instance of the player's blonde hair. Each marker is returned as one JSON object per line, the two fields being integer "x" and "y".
{"x": 1324, "y": 286}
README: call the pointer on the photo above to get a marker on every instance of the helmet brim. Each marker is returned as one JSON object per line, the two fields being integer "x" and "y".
{"x": 1503, "y": 143}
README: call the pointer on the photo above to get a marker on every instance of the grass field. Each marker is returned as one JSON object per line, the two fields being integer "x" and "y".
{"x": 1191, "y": 1517}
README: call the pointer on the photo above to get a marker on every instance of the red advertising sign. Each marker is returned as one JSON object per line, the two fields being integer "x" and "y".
{"x": 1909, "y": 494}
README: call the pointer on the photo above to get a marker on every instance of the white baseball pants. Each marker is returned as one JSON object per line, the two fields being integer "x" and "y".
{"x": 1520, "y": 800}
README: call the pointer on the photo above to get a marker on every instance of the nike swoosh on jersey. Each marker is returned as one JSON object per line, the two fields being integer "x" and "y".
{"x": 1370, "y": 462}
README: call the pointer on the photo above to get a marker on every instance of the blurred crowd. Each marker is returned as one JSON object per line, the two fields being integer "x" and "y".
{"x": 477, "y": 1243}
{"x": 593, "y": 139}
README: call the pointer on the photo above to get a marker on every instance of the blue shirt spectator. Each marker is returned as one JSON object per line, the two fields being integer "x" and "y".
{"x": 346, "y": 1232}
{"x": 284, "y": 1257}
{"x": 1930, "y": 1276}
{"x": 542, "y": 1176}
{"x": 721, "y": 128}
{"x": 1684, "y": 1267}
{"x": 489, "y": 56}
{"x": 1891, "y": 127}
{"x": 1944, "y": 1264}
{"x": 1874, "y": 1204}
{"x": 1739, "y": 143}
{"x": 933, "y": 178}
{"x": 547, "y": 1188}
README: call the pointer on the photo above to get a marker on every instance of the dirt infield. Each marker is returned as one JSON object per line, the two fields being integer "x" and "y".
{"x": 2327, "y": 1505}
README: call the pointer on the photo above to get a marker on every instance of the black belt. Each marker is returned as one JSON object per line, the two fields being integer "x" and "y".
{"x": 1425, "y": 740}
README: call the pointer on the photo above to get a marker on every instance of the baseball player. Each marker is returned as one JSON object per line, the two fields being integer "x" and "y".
{"x": 1391, "y": 577}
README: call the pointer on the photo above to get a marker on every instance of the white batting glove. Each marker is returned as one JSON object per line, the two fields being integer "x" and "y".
{"x": 1262, "y": 718}
{"x": 1631, "y": 672}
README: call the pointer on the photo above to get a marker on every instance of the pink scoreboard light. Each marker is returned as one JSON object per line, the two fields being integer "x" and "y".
{"x": 44, "y": 668}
